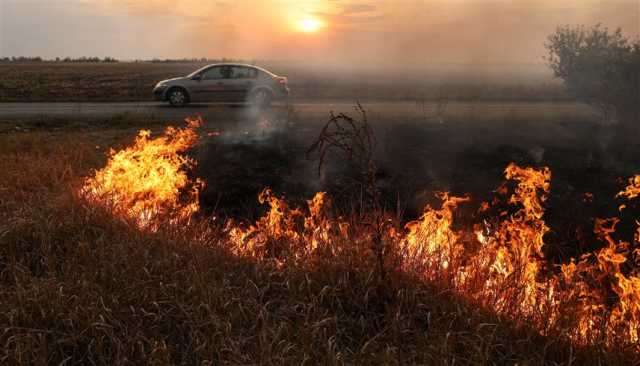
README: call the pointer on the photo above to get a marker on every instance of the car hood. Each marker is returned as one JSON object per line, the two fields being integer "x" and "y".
{"x": 168, "y": 81}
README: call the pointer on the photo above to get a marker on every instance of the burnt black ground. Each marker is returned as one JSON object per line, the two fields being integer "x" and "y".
{"x": 465, "y": 151}
{"x": 418, "y": 156}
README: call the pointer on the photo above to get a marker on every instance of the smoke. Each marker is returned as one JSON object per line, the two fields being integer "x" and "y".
{"x": 384, "y": 34}
{"x": 463, "y": 151}
{"x": 259, "y": 151}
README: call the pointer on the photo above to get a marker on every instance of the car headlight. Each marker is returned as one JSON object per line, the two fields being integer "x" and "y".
{"x": 161, "y": 85}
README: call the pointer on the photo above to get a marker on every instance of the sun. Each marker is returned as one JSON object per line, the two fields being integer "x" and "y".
{"x": 310, "y": 25}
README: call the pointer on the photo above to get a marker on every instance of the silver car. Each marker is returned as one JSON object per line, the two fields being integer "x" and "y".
{"x": 224, "y": 83}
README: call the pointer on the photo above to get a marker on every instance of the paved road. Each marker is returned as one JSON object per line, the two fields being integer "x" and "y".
{"x": 400, "y": 110}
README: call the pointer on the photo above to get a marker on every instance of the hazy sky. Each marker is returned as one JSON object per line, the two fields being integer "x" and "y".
{"x": 354, "y": 31}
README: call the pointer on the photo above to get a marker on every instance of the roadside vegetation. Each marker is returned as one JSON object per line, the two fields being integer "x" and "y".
{"x": 600, "y": 67}
{"x": 83, "y": 284}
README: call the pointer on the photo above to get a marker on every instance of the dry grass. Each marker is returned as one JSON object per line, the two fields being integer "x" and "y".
{"x": 79, "y": 286}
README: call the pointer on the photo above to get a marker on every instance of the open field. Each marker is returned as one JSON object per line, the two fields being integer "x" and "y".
{"x": 82, "y": 284}
{"x": 119, "y": 82}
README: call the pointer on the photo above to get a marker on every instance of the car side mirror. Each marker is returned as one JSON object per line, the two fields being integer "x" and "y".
{"x": 197, "y": 77}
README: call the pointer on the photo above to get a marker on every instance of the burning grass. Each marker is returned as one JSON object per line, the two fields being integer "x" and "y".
{"x": 83, "y": 282}
{"x": 148, "y": 181}
{"x": 589, "y": 302}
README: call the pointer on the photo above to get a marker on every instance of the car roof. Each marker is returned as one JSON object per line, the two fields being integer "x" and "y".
{"x": 236, "y": 64}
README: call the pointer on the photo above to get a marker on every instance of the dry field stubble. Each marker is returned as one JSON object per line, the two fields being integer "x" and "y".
{"x": 53, "y": 82}
{"x": 133, "y": 81}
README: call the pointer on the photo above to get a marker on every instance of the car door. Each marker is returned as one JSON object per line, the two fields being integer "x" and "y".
{"x": 242, "y": 79}
{"x": 211, "y": 86}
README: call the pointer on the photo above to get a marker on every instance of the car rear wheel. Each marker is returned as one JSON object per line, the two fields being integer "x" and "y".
{"x": 178, "y": 97}
{"x": 261, "y": 98}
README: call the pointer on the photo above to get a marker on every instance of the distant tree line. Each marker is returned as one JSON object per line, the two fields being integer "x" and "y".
{"x": 191, "y": 60}
{"x": 23, "y": 59}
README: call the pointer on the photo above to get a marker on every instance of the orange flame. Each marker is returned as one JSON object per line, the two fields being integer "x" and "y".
{"x": 431, "y": 244}
{"x": 591, "y": 299}
{"x": 632, "y": 190}
{"x": 148, "y": 181}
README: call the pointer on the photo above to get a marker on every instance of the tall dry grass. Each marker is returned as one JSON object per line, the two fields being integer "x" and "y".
{"x": 79, "y": 286}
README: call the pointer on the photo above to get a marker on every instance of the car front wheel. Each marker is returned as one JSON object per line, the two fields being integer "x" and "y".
{"x": 178, "y": 97}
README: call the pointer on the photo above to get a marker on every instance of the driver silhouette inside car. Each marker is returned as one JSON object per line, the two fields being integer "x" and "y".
{"x": 226, "y": 72}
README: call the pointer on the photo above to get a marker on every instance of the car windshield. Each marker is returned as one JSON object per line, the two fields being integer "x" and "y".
{"x": 197, "y": 71}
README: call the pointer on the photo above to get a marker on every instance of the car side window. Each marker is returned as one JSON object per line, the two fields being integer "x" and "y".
{"x": 242, "y": 72}
{"x": 214, "y": 73}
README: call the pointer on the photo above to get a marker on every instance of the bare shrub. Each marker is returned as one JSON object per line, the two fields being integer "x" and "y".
{"x": 354, "y": 139}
